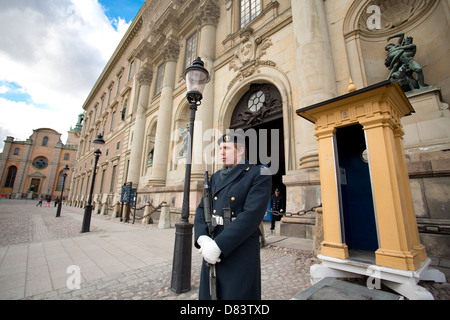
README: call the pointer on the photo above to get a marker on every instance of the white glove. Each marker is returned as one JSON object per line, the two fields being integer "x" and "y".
{"x": 202, "y": 240}
{"x": 210, "y": 251}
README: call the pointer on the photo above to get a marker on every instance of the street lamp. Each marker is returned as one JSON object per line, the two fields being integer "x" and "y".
{"x": 196, "y": 77}
{"x": 98, "y": 146}
{"x": 65, "y": 172}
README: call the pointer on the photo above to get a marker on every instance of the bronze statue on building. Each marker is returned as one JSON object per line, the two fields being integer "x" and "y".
{"x": 400, "y": 61}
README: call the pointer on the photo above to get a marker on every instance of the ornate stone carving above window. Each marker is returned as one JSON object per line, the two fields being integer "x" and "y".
{"x": 247, "y": 58}
{"x": 261, "y": 104}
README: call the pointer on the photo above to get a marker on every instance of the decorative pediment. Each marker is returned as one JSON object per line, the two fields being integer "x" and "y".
{"x": 247, "y": 58}
{"x": 37, "y": 175}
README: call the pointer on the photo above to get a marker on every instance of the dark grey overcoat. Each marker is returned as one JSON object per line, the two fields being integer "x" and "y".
{"x": 247, "y": 191}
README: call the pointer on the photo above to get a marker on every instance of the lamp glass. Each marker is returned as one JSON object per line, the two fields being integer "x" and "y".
{"x": 99, "y": 143}
{"x": 66, "y": 169}
{"x": 196, "y": 80}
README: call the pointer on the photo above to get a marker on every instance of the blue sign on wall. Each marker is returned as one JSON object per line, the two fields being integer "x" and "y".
{"x": 126, "y": 194}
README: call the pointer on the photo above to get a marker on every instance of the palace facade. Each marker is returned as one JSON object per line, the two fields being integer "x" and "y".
{"x": 266, "y": 60}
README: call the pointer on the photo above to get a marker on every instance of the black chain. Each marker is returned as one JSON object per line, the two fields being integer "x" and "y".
{"x": 298, "y": 213}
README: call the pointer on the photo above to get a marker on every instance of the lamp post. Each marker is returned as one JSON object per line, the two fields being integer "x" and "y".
{"x": 65, "y": 172}
{"x": 196, "y": 77}
{"x": 98, "y": 146}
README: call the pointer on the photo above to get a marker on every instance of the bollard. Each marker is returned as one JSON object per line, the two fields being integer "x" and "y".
{"x": 125, "y": 212}
{"x": 104, "y": 210}
{"x": 147, "y": 212}
{"x": 164, "y": 217}
{"x": 116, "y": 211}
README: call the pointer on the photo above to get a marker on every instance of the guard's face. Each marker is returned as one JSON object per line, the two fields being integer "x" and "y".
{"x": 229, "y": 155}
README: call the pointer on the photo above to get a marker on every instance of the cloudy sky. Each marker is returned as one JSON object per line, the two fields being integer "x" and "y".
{"x": 51, "y": 54}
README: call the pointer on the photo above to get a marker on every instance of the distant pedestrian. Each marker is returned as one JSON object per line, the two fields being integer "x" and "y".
{"x": 40, "y": 202}
{"x": 278, "y": 207}
{"x": 47, "y": 202}
{"x": 56, "y": 201}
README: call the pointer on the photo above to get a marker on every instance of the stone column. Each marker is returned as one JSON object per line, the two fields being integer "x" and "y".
{"x": 4, "y": 156}
{"x": 22, "y": 170}
{"x": 315, "y": 68}
{"x": 144, "y": 78}
{"x": 170, "y": 51}
{"x": 207, "y": 18}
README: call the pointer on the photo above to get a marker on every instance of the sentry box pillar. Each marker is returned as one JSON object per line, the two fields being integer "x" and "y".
{"x": 366, "y": 196}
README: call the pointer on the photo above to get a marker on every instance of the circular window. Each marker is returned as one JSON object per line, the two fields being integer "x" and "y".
{"x": 40, "y": 163}
{"x": 256, "y": 101}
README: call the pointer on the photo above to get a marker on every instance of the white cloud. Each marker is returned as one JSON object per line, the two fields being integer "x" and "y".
{"x": 55, "y": 50}
{"x": 31, "y": 117}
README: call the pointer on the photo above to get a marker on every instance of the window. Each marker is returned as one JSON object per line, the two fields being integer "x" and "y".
{"x": 113, "y": 116}
{"x": 118, "y": 145}
{"x": 256, "y": 101}
{"x": 130, "y": 72}
{"x": 191, "y": 50}
{"x": 66, "y": 156}
{"x": 159, "y": 79}
{"x": 109, "y": 95}
{"x": 40, "y": 163}
{"x": 89, "y": 121}
{"x": 102, "y": 180}
{"x": 95, "y": 112}
{"x": 101, "y": 106}
{"x": 16, "y": 151}
{"x": 11, "y": 177}
{"x": 45, "y": 141}
{"x": 118, "y": 84}
{"x": 250, "y": 9}
{"x": 113, "y": 179}
{"x": 87, "y": 185}
{"x": 124, "y": 111}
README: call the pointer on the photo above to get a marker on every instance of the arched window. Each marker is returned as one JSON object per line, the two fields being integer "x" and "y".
{"x": 11, "y": 177}
{"x": 45, "y": 141}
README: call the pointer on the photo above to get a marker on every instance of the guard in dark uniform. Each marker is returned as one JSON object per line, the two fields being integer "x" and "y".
{"x": 277, "y": 205}
{"x": 243, "y": 190}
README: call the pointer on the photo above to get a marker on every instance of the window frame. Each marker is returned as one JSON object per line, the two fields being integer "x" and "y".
{"x": 159, "y": 78}
{"x": 247, "y": 16}
{"x": 11, "y": 177}
{"x": 190, "y": 53}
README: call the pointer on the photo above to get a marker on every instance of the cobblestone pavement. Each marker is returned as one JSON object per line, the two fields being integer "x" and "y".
{"x": 153, "y": 283}
{"x": 285, "y": 270}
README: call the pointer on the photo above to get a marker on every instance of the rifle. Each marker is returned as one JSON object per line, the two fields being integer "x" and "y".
{"x": 207, "y": 205}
